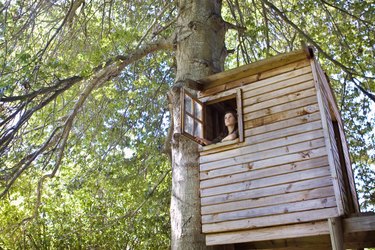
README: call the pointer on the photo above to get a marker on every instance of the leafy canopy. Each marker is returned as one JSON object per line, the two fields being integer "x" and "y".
{"x": 84, "y": 113}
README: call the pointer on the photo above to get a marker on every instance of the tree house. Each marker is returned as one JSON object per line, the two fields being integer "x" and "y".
{"x": 288, "y": 175}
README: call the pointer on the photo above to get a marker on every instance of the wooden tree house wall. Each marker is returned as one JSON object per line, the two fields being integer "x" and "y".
{"x": 291, "y": 172}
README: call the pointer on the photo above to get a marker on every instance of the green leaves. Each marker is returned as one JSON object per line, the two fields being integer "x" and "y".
{"x": 102, "y": 196}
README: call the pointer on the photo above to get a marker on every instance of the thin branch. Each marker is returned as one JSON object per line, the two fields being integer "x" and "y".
{"x": 157, "y": 18}
{"x": 367, "y": 93}
{"x": 60, "y": 84}
{"x": 11, "y": 132}
{"x": 347, "y": 13}
{"x": 265, "y": 18}
{"x": 309, "y": 39}
{"x": 65, "y": 20}
{"x": 27, "y": 160}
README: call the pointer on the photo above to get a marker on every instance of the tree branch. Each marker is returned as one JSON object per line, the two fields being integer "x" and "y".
{"x": 27, "y": 160}
{"x": 59, "y": 85}
{"x": 308, "y": 38}
{"x": 347, "y": 13}
{"x": 99, "y": 78}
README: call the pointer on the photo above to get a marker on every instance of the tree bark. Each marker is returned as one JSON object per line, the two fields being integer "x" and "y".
{"x": 199, "y": 54}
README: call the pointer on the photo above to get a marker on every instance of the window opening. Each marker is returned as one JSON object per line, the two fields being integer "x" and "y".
{"x": 215, "y": 111}
{"x": 206, "y": 119}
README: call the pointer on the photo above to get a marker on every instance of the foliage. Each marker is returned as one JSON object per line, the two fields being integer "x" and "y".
{"x": 75, "y": 107}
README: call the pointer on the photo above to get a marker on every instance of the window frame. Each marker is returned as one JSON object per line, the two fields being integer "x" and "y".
{"x": 204, "y": 101}
{"x": 192, "y": 114}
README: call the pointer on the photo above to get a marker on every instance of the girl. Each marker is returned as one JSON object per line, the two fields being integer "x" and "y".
{"x": 230, "y": 132}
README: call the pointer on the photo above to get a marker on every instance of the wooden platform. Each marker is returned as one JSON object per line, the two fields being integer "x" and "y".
{"x": 358, "y": 232}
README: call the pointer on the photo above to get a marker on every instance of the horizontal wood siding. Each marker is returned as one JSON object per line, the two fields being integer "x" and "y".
{"x": 253, "y": 194}
{"x": 252, "y": 73}
{"x": 280, "y": 174}
{"x": 270, "y": 233}
{"x": 269, "y": 200}
{"x": 272, "y": 220}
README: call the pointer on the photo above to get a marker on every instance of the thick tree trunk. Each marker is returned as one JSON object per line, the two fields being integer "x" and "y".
{"x": 200, "y": 52}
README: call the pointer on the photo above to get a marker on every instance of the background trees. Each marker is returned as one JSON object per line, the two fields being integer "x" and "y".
{"x": 83, "y": 100}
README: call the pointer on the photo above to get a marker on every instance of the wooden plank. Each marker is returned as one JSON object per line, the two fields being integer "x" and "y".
{"x": 278, "y": 238}
{"x": 216, "y": 147}
{"x": 348, "y": 169}
{"x": 240, "y": 115}
{"x": 278, "y": 100}
{"x": 305, "y": 79}
{"x": 208, "y": 150}
{"x": 220, "y": 147}
{"x": 253, "y": 68}
{"x": 272, "y": 118}
{"x": 320, "y": 242}
{"x": 303, "y": 74}
{"x": 267, "y": 154}
{"x": 270, "y": 233}
{"x": 284, "y": 208}
{"x": 329, "y": 95}
{"x": 263, "y": 173}
{"x": 299, "y": 185}
{"x": 289, "y": 131}
{"x": 339, "y": 168}
{"x": 321, "y": 192}
{"x": 363, "y": 223}
{"x": 327, "y": 89}
{"x": 359, "y": 240}
{"x": 281, "y": 108}
{"x": 215, "y": 89}
{"x": 242, "y": 82}
{"x": 292, "y": 93}
{"x": 218, "y": 96}
{"x": 243, "y": 169}
{"x": 278, "y": 78}
{"x": 228, "y": 82}
{"x": 338, "y": 193}
{"x": 336, "y": 232}
{"x": 284, "y": 123}
{"x": 281, "y": 160}
{"x": 286, "y": 68}
{"x": 254, "y": 82}
{"x": 274, "y": 220}
{"x": 266, "y": 182}
{"x": 253, "y": 148}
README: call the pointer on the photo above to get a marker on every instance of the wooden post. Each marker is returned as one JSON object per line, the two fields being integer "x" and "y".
{"x": 336, "y": 232}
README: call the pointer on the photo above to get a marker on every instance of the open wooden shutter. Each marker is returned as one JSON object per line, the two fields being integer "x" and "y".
{"x": 192, "y": 116}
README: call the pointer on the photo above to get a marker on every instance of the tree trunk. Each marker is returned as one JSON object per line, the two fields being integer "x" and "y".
{"x": 200, "y": 52}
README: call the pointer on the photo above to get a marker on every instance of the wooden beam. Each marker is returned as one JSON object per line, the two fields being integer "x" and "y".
{"x": 321, "y": 242}
{"x": 269, "y": 233}
{"x": 360, "y": 223}
{"x": 357, "y": 232}
{"x": 336, "y": 233}
{"x": 360, "y": 240}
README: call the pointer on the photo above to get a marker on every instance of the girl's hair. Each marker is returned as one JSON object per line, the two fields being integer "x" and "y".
{"x": 234, "y": 113}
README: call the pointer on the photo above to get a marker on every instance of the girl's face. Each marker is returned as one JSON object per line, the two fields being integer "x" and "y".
{"x": 230, "y": 119}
